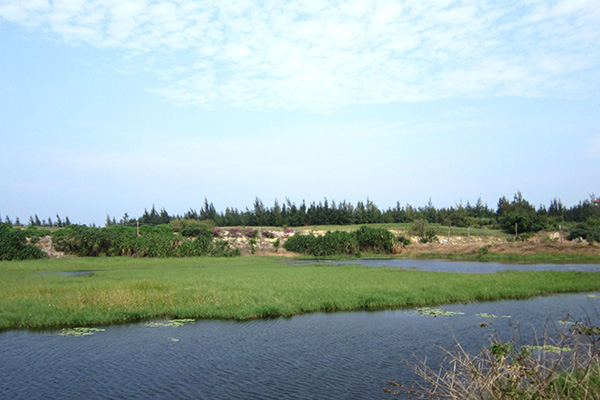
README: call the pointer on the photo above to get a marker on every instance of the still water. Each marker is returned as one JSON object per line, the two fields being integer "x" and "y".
{"x": 348, "y": 355}
{"x": 468, "y": 267}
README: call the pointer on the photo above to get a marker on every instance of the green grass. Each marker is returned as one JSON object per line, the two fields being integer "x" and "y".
{"x": 32, "y": 295}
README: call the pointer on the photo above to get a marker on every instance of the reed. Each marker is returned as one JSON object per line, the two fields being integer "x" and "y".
{"x": 37, "y": 293}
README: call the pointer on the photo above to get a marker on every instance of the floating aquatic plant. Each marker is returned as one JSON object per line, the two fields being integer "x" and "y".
{"x": 593, "y": 296}
{"x": 78, "y": 332}
{"x": 437, "y": 312}
{"x": 549, "y": 348}
{"x": 172, "y": 339}
{"x": 565, "y": 322}
{"x": 171, "y": 322}
{"x": 486, "y": 315}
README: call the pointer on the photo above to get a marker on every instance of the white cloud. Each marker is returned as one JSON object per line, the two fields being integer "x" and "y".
{"x": 323, "y": 55}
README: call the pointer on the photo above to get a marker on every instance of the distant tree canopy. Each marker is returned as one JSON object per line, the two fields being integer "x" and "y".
{"x": 508, "y": 213}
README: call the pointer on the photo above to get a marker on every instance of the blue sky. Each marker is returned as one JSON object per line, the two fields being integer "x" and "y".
{"x": 112, "y": 106}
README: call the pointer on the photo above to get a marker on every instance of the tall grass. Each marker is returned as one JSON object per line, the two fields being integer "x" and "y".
{"x": 561, "y": 364}
{"x": 34, "y": 295}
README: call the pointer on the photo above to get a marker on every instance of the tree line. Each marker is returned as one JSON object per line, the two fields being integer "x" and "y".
{"x": 509, "y": 213}
{"x": 517, "y": 213}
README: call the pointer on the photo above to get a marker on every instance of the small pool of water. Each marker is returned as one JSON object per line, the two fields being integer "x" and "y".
{"x": 473, "y": 267}
{"x": 70, "y": 273}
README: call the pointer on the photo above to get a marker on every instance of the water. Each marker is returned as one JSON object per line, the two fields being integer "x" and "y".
{"x": 70, "y": 273}
{"x": 472, "y": 267}
{"x": 349, "y": 355}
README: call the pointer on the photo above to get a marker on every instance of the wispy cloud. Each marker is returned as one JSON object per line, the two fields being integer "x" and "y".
{"x": 327, "y": 54}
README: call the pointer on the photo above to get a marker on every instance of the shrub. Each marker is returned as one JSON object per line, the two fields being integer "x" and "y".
{"x": 585, "y": 231}
{"x": 403, "y": 240}
{"x": 300, "y": 243}
{"x": 35, "y": 232}
{"x": 268, "y": 234}
{"x": 482, "y": 251}
{"x": 14, "y": 246}
{"x": 335, "y": 242}
{"x": 251, "y": 233}
{"x": 197, "y": 228}
{"x": 377, "y": 240}
{"x": 421, "y": 229}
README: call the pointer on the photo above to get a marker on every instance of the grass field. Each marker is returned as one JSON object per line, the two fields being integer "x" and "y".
{"x": 33, "y": 294}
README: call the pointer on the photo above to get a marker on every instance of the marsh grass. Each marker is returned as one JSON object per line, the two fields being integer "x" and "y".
{"x": 34, "y": 295}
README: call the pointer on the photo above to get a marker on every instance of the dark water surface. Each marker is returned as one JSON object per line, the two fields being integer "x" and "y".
{"x": 348, "y": 355}
{"x": 471, "y": 267}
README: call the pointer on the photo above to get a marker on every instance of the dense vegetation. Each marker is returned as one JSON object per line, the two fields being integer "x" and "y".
{"x": 15, "y": 246}
{"x": 365, "y": 239}
{"x": 38, "y": 293}
{"x": 152, "y": 241}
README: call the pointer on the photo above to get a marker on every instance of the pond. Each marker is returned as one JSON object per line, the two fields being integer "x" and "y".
{"x": 471, "y": 267}
{"x": 349, "y": 355}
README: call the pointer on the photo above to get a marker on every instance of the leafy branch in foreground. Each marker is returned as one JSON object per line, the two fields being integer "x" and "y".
{"x": 564, "y": 368}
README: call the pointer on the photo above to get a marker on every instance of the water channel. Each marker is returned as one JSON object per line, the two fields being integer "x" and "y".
{"x": 348, "y": 355}
{"x": 467, "y": 267}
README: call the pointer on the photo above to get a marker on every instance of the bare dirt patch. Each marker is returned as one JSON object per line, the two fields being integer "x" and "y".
{"x": 548, "y": 243}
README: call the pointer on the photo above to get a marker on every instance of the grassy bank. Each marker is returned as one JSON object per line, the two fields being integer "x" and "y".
{"x": 34, "y": 295}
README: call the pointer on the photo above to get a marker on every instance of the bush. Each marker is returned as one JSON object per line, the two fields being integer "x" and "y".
{"x": 377, "y": 240}
{"x": 482, "y": 251}
{"x": 299, "y": 243}
{"x": 268, "y": 234}
{"x": 235, "y": 232}
{"x": 585, "y": 231}
{"x": 35, "y": 232}
{"x": 524, "y": 223}
{"x": 403, "y": 240}
{"x": 197, "y": 228}
{"x": 14, "y": 246}
{"x": 335, "y": 242}
{"x": 421, "y": 229}
{"x": 251, "y": 233}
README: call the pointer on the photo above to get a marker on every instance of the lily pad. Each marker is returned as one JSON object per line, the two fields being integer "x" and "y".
{"x": 486, "y": 315}
{"x": 437, "y": 312}
{"x": 78, "y": 332}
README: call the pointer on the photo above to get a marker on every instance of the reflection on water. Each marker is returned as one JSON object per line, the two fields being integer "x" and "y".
{"x": 347, "y": 355}
{"x": 473, "y": 267}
